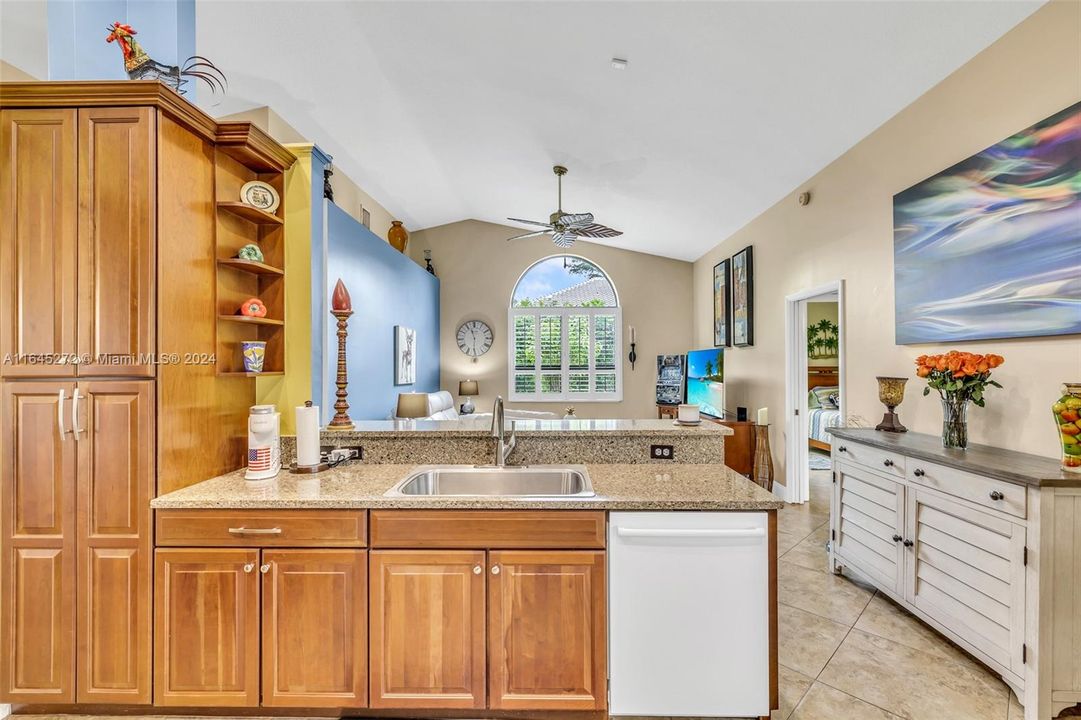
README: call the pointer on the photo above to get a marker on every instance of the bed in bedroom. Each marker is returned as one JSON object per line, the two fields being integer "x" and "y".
{"x": 822, "y": 404}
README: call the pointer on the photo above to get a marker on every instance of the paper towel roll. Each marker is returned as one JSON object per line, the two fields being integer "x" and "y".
{"x": 308, "y": 435}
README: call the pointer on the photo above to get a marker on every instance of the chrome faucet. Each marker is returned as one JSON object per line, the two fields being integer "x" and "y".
{"x": 502, "y": 449}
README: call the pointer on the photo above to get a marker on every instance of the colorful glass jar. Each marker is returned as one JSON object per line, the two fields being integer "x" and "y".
{"x": 1067, "y": 414}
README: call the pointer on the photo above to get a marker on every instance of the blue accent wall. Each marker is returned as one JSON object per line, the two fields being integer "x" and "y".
{"x": 77, "y": 30}
{"x": 387, "y": 289}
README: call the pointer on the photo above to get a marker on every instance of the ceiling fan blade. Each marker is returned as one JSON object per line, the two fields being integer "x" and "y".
{"x": 593, "y": 230}
{"x": 528, "y": 235}
{"x": 575, "y": 219}
{"x": 564, "y": 239}
{"x": 530, "y": 222}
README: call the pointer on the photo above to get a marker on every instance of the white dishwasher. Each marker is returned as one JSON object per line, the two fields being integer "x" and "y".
{"x": 688, "y": 614}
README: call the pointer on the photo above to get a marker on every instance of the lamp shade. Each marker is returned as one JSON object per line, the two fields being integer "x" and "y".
{"x": 412, "y": 405}
{"x": 468, "y": 387}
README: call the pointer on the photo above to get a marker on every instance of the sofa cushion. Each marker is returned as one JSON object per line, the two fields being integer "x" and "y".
{"x": 441, "y": 406}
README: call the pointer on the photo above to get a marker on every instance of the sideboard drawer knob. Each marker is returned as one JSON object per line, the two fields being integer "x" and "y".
{"x": 842, "y": 448}
{"x": 897, "y": 538}
{"x": 996, "y": 495}
{"x": 908, "y": 543}
{"x": 918, "y": 472}
{"x": 887, "y": 462}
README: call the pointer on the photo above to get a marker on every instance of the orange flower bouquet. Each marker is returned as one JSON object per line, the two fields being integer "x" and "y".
{"x": 959, "y": 377}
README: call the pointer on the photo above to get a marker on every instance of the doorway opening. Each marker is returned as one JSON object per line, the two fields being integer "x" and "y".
{"x": 814, "y": 385}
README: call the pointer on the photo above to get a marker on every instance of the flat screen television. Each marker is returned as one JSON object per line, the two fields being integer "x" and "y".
{"x": 705, "y": 381}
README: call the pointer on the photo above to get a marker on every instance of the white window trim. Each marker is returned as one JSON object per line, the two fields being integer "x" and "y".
{"x": 565, "y": 396}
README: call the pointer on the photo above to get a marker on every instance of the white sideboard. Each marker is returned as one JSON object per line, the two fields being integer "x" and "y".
{"x": 982, "y": 544}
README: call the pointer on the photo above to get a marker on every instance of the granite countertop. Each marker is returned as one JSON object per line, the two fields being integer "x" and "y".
{"x": 357, "y": 485}
{"x": 482, "y": 426}
{"x": 986, "y": 460}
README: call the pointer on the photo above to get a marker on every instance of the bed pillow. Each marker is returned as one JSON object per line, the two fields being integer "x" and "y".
{"x": 812, "y": 401}
{"x": 828, "y": 396}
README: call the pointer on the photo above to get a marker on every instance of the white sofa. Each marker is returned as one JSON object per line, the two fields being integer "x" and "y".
{"x": 441, "y": 407}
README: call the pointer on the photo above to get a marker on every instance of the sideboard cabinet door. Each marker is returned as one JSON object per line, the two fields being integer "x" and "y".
{"x": 868, "y": 524}
{"x": 967, "y": 572}
{"x": 38, "y": 218}
{"x": 116, "y": 241}
{"x": 206, "y": 636}
{"x": 37, "y": 577}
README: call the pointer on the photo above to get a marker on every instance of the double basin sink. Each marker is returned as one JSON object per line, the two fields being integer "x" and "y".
{"x": 536, "y": 481}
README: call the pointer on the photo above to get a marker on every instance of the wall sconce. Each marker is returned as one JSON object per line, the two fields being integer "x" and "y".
{"x": 632, "y": 355}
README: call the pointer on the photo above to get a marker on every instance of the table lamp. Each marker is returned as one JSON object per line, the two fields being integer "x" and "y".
{"x": 412, "y": 405}
{"x": 467, "y": 389}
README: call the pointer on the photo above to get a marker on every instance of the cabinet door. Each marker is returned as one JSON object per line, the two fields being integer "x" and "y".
{"x": 967, "y": 572}
{"x": 206, "y": 634}
{"x": 547, "y": 636}
{"x": 116, "y": 241}
{"x": 38, "y": 217}
{"x": 37, "y": 577}
{"x": 315, "y": 644}
{"x": 868, "y": 525}
{"x": 427, "y": 629}
{"x": 114, "y": 424}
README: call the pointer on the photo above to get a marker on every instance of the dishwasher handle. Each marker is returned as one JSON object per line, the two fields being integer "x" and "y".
{"x": 690, "y": 532}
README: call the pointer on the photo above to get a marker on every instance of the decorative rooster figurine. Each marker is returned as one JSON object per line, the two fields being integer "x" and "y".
{"x": 141, "y": 66}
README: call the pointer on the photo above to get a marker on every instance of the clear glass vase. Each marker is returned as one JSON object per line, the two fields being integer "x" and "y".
{"x": 954, "y": 421}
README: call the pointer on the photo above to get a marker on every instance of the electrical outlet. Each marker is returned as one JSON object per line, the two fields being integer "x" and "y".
{"x": 347, "y": 453}
{"x": 661, "y": 452}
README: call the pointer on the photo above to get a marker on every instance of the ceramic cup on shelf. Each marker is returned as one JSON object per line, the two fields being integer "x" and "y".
{"x": 254, "y": 353}
{"x": 688, "y": 414}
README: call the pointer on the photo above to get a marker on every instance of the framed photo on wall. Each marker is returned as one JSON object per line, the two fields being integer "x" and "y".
{"x": 743, "y": 297}
{"x": 722, "y": 303}
{"x": 405, "y": 355}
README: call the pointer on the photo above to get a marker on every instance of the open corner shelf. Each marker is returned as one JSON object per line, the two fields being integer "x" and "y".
{"x": 250, "y": 213}
{"x": 241, "y": 373}
{"x": 251, "y": 320}
{"x": 250, "y": 266}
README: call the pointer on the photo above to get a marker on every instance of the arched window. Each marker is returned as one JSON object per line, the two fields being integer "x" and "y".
{"x": 564, "y": 333}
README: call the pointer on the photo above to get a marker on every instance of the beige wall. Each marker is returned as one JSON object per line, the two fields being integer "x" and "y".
{"x": 477, "y": 271}
{"x": 347, "y": 194}
{"x": 846, "y": 232}
{"x": 817, "y": 311}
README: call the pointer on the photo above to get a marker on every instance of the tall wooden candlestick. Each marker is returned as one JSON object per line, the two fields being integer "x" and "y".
{"x": 342, "y": 308}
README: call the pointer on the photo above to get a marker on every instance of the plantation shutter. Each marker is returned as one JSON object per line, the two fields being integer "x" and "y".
{"x": 563, "y": 354}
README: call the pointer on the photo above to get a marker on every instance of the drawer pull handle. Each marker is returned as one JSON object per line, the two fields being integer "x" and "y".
{"x": 255, "y": 531}
{"x": 908, "y": 543}
{"x": 897, "y": 538}
{"x": 249, "y": 567}
{"x": 996, "y": 495}
{"x": 691, "y": 532}
{"x": 887, "y": 462}
{"x": 265, "y": 568}
{"x": 842, "y": 449}
{"x": 918, "y": 472}
{"x": 477, "y": 570}
{"x": 495, "y": 570}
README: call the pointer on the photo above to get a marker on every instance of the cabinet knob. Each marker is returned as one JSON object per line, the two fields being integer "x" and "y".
{"x": 264, "y": 568}
{"x": 908, "y": 543}
{"x": 897, "y": 538}
{"x": 996, "y": 495}
{"x": 249, "y": 567}
{"x": 477, "y": 570}
{"x": 495, "y": 569}
{"x": 918, "y": 472}
{"x": 887, "y": 462}
{"x": 842, "y": 448}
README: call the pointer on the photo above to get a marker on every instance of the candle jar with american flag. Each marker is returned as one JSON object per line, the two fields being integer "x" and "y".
{"x": 264, "y": 443}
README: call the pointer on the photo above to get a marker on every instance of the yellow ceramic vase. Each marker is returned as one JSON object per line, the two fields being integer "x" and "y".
{"x": 398, "y": 236}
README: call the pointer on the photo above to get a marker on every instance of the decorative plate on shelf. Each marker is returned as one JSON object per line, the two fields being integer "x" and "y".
{"x": 261, "y": 195}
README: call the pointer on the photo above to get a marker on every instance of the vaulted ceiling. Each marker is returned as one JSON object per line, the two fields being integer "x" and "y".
{"x": 452, "y": 110}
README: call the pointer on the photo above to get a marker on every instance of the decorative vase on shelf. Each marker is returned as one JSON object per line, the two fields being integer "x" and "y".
{"x": 959, "y": 378}
{"x": 1067, "y": 414}
{"x": 398, "y": 236}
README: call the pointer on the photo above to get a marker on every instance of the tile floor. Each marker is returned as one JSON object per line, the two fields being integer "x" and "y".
{"x": 848, "y": 653}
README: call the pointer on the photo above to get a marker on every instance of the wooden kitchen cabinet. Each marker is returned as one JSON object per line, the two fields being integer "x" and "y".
{"x": 547, "y": 634}
{"x": 315, "y": 644}
{"x": 113, "y": 430}
{"x": 116, "y": 311}
{"x": 37, "y": 577}
{"x": 39, "y": 199}
{"x": 427, "y": 629}
{"x": 206, "y": 637}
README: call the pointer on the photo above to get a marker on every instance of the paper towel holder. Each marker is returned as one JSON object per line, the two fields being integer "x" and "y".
{"x": 309, "y": 469}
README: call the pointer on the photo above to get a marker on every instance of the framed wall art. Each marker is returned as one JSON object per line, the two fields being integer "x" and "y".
{"x": 743, "y": 297}
{"x": 722, "y": 303}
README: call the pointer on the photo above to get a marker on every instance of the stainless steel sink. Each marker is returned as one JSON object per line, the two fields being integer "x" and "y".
{"x": 565, "y": 481}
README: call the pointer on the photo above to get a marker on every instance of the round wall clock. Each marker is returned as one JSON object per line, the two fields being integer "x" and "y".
{"x": 474, "y": 338}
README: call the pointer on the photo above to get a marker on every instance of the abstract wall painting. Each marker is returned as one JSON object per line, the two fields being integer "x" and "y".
{"x": 722, "y": 303}
{"x": 405, "y": 355}
{"x": 743, "y": 297}
{"x": 991, "y": 247}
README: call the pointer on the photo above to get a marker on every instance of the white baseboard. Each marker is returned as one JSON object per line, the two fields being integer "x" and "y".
{"x": 780, "y": 490}
{"x": 5, "y": 710}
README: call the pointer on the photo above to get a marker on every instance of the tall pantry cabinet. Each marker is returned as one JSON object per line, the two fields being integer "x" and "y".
{"x": 108, "y": 384}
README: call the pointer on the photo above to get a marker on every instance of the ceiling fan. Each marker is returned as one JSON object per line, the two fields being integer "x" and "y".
{"x": 565, "y": 228}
